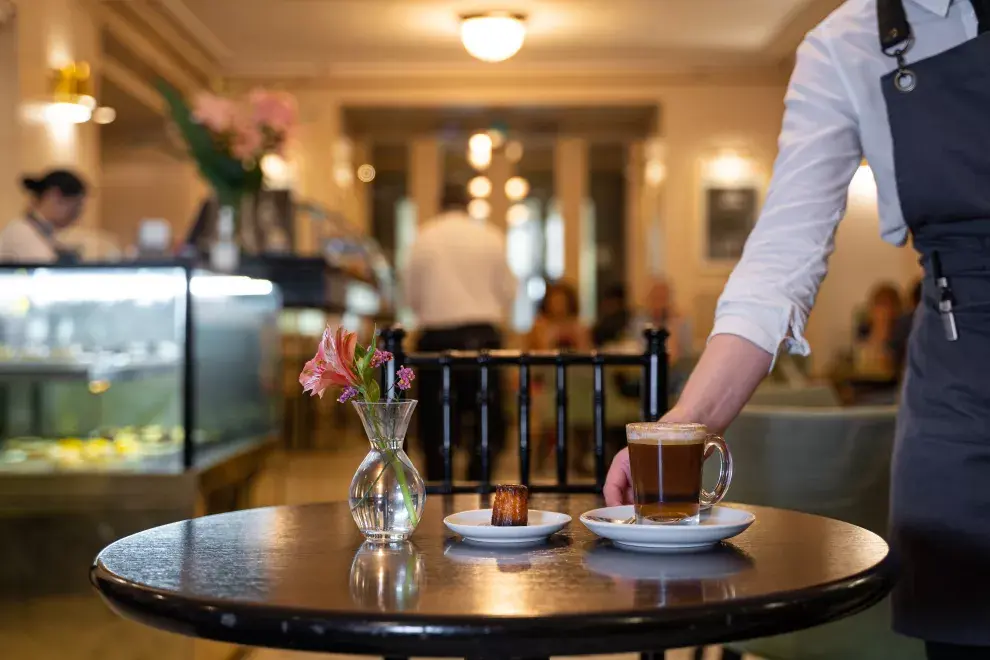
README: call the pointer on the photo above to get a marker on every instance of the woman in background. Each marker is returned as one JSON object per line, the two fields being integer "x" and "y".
{"x": 875, "y": 352}
{"x": 558, "y": 325}
{"x": 56, "y": 201}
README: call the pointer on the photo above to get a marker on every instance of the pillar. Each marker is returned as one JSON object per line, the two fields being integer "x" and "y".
{"x": 637, "y": 231}
{"x": 425, "y": 176}
{"x": 499, "y": 172}
{"x": 313, "y": 154}
{"x": 571, "y": 190}
{"x": 44, "y": 35}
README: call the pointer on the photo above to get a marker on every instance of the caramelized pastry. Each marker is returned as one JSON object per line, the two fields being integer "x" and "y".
{"x": 511, "y": 508}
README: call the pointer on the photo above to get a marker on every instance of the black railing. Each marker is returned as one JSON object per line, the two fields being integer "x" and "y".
{"x": 654, "y": 390}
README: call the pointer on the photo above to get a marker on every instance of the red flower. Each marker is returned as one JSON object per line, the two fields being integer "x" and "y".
{"x": 333, "y": 364}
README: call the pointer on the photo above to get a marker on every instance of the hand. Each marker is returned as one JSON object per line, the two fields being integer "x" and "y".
{"x": 618, "y": 483}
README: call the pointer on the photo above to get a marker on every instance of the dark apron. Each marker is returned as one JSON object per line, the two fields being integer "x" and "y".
{"x": 63, "y": 254}
{"x": 939, "y": 112}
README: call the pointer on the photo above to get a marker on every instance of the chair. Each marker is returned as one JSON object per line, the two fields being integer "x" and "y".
{"x": 832, "y": 462}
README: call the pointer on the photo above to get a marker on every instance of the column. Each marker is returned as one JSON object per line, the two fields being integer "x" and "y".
{"x": 359, "y": 211}
{"x": 637, "y": 234}
{"x": 50, "y": 34}
{"x": 499, "y": 172}
{"x": 425, "y": 176}
{"x": 570, "y": 169}
{"x": 313, "y": 154}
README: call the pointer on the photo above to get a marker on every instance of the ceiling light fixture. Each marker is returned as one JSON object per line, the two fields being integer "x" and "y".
{"x": 493, "y": 36}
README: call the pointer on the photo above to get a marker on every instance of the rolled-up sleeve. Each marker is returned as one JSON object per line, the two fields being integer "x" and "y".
{"x": 771, "y": 291}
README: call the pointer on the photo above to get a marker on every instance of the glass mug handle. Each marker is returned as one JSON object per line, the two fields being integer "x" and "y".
{"x": 713, "y": 442}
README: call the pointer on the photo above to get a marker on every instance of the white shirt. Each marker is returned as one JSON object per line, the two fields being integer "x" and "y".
{"x": 835, "y": 114}
{"x": 458, "y": 274}
{"x": 22, "y": 243}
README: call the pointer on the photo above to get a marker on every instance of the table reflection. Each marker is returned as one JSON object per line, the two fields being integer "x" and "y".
{"x": 506, "y": 559}
{"x": 672, "y": 579}
{"x": 387, "y": 577}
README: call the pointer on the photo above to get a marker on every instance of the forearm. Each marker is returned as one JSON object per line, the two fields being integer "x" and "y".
{"x": 723, "y": 381}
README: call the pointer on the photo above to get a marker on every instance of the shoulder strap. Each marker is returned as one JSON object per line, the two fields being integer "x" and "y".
{"x": 894, "y": 29}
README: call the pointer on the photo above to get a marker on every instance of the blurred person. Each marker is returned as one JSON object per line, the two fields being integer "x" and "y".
{"x": 901, "y": 82}
{"x": 902, "y": 327}
{"x": 614, "y": 317}
{"x": 558, "y": 325}
{"x": 875, "y": 350}
{"x": 661, "y": 312}
{"x": 458, "y": 284}
{"x": 55, "y": 202}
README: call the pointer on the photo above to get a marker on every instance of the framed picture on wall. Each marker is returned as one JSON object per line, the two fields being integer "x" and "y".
{"x": 730, "y": 213}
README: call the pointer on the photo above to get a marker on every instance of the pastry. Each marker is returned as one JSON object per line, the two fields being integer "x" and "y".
{"x": 511, "y": 507}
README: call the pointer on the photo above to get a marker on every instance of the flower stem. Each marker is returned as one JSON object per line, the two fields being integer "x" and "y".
{"x": 391, "y": 459}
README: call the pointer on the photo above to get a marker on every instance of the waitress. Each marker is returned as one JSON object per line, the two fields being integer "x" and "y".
{"x": 907, "y": 84}
{"x": 56, "y": 202}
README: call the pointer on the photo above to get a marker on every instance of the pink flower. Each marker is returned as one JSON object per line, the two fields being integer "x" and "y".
{"x": 214, "y": 112}
{"x": 379, "y": 357}
{"x": 275, "y": 110}
{"x": 347, "y": 394}
{"x": 333, "y": 364}
{"x": 406, "y": 377}
{"x": 247, "y": 140}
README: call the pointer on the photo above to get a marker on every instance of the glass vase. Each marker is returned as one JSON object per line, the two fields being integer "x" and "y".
{"x": 387, "y": 493}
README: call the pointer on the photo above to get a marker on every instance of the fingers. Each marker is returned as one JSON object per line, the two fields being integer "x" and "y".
{"x": 618, "y": 487}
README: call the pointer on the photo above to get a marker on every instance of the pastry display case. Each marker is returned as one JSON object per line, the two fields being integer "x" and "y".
{"x": 133, "y": 368}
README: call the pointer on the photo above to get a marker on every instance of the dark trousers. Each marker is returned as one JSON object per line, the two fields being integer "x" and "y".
{"x": 465, "y": 391}
{"x": 936, "y": 651}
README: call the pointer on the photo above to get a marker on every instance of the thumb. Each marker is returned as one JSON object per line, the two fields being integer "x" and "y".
{"x": 618, "y": 486}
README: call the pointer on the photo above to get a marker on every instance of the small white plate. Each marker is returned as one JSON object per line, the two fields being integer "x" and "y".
{"x": 476, "y": 527}
{"x": 717, "y": 524}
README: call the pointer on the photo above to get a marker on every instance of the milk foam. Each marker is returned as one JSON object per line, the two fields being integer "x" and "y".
{"x": 665, "y": 433}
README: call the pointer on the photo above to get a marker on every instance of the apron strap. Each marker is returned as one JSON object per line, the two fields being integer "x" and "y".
{"x": 982, "y": 9}
{"x": 894, "y": 29}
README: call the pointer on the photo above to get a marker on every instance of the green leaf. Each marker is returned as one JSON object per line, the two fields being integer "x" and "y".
{"x": 371, "y": 391}
{"x": 359, "y": 351}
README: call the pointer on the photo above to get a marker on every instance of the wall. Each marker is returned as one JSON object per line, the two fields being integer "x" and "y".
{"x": 11, "y": 201}
{"x": 861, "y": 260}
{"x": 147, "y": 182}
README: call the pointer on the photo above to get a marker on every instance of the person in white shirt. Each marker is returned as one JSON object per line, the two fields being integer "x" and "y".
{"x": 56, "y": 202}
{"x": 458, "y": 284}
{"x": 907, "y": 84}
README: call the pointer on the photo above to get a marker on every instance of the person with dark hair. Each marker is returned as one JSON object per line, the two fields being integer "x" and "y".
{"x": 613, "y": 317}
{"x": 558, "y": 324}
{"x": 458, "y": 284}
{"x": 55, "y": 202}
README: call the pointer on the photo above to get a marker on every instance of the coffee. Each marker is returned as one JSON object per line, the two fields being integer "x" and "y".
{"x": 666, "y": 474}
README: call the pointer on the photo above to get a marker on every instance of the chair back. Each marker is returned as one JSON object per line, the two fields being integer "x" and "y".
{"x": 652, "y": 361}
{"x": 832, "y": 462}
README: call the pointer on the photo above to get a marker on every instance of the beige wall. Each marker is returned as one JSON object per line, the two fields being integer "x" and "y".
{"x": 146, "y": 182}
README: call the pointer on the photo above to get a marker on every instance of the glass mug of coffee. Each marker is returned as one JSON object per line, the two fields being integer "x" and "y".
{"x": 666, "y": 462}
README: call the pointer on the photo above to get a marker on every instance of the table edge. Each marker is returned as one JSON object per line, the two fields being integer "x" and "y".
{"x": 412, "y": 633}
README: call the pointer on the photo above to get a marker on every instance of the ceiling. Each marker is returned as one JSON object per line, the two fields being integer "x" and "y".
{"x": 321, "y": 37}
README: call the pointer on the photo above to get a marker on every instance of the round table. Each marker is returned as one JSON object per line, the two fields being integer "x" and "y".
{"x": 300, "y": 578}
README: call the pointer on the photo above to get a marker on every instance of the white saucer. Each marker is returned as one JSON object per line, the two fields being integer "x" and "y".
{"x": 717, "y": 524}
{"x": 476, "y": 527}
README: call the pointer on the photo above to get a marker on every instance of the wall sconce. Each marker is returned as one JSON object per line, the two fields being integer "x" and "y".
{"x": 72, "y": 100}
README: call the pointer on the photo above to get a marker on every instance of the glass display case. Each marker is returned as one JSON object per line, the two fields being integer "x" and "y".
{"x": 134, "y": 368}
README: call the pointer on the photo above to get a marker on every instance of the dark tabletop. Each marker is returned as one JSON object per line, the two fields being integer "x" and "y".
{"x": 300, "y": 578}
